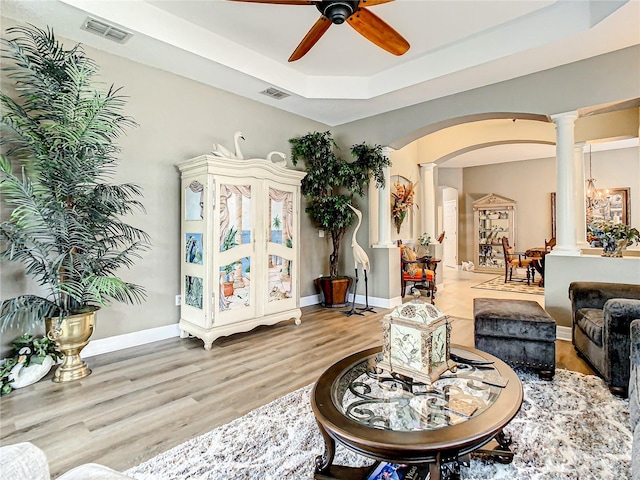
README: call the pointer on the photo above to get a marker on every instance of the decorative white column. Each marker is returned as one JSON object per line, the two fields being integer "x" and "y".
{"x": 384, "y": 207}
{"x": 428, "y": 205}
{"x": 566, "y": 236}
{"x": 579, "y": 197}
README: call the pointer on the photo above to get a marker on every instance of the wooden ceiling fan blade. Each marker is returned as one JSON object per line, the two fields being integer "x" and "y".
{"x": 377, "y": 31}
{"x": 311, "y": 38}
{"x": 279, "y": 2}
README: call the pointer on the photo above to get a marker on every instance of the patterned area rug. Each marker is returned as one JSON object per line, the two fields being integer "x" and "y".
{"x": 515, "y": 286}
{"x": 569, "y": 428}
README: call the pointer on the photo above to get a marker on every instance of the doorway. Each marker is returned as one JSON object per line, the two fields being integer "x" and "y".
{"x": 450, "y": 227}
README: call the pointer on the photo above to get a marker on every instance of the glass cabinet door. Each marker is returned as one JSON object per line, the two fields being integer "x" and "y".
{"x": 281, "y": 233}
{"x": 494, "y": 220}
{"x": 493, "y": 225}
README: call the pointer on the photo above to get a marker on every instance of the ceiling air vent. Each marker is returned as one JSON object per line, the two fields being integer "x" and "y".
{"x": 102, "y": 28}
{"x": 275, "y": 93}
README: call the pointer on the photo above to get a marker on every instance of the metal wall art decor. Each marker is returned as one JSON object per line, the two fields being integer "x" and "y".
{"x": 416, "y": 340}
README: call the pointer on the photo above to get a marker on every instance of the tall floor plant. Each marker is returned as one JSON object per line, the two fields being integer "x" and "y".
{"x": 59, "y": 157}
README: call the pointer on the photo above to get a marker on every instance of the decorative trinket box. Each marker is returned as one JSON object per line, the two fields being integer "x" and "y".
{"x": 416, "y": 339}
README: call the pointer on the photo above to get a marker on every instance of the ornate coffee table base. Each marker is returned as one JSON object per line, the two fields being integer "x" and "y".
{"x": 444, "y": 468}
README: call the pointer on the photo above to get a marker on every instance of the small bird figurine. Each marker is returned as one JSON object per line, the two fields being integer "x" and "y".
{"x": 283, "y": 158}
{"x": 220, "y": 151}
{"x": 21, "y": 376}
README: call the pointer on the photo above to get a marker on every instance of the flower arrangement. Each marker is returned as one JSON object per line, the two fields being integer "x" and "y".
{"x": 402, "y": 202}
{"x": 614, "y": 237}
{"x": 424, "y": 240}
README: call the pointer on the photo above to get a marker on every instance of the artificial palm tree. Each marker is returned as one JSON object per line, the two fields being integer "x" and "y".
{"x": 65, "y": 224}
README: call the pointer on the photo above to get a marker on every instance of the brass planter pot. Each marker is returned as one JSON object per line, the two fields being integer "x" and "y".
{"x": 71, "y": 337}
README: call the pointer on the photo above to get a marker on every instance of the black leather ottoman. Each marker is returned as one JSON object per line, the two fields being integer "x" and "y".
{"x": 519, "y": 332}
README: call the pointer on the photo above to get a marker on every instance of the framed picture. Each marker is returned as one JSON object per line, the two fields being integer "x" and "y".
{"x": 553, "y": 214}
{"x": 610, "y": 205}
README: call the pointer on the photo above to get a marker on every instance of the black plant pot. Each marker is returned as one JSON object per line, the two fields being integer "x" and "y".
{"x": 334, "y": 290}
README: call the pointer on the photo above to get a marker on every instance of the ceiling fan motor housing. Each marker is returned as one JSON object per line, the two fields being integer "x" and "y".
{"x": 339, "y": 11}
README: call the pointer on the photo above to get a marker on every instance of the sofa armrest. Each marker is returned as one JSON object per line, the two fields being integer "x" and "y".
{"x": 596, "y": 294}
{"x": 22, "y": 461}
{"x": 634, "y": 398}
{"x": 635, "y": 343}
{"x": 618, "y": 315}
{"x": 585, "y": 295}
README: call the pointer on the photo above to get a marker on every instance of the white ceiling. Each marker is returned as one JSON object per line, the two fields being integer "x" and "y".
{"x": 456, "y": 45}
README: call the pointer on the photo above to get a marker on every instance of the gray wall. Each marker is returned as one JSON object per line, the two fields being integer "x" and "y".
{"x": 594, "y": 81}
{"x": 180, "y": 118}
{"x": 530, "y": 183}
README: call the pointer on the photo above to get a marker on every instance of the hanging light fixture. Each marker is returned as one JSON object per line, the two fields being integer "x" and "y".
{"x": 591, "y": 190}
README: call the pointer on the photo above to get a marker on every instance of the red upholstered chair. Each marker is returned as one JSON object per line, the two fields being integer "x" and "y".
{"x": 417, "y": 270}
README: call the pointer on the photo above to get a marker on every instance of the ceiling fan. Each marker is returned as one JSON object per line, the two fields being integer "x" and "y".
{"x": 355, "y": 13}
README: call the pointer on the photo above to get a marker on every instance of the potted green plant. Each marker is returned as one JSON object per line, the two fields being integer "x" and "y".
{"x": 613, "y": 237}
{"x": 329, "y": 187}
{"x": 66, "y": 223}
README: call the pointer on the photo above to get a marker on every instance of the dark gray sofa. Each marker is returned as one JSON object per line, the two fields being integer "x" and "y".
{"x": 602, "y": 313}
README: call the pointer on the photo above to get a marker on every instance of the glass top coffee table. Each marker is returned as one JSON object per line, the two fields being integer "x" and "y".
{"x": 393, "y": 419}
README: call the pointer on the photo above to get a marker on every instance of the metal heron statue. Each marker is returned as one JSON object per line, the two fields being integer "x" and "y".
{"x": 360, "y": 257}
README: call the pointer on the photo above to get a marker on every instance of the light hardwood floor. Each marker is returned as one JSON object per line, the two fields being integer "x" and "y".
{"x": 142, "y": 401}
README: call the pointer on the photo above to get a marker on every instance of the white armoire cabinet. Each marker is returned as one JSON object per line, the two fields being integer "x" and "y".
{"x": 240, "y": 236}
{"x": 494, "y": 217}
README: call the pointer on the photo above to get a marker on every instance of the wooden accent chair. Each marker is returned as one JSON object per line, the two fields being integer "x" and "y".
{"x": 548, "y": 245}
{"x": 513, "y": 260}
{"x": 419, "y": 270}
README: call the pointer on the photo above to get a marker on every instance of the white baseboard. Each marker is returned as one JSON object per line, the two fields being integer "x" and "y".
{"x": 563, "y": 333}
{"x": 128, "y": 340}
{"x": 360, "y": 300}
{"x": 310, "y": 300}
{"x": 377, "y": 302}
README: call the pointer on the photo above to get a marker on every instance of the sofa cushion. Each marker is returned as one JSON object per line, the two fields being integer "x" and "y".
{"x": 591, "y": 321}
